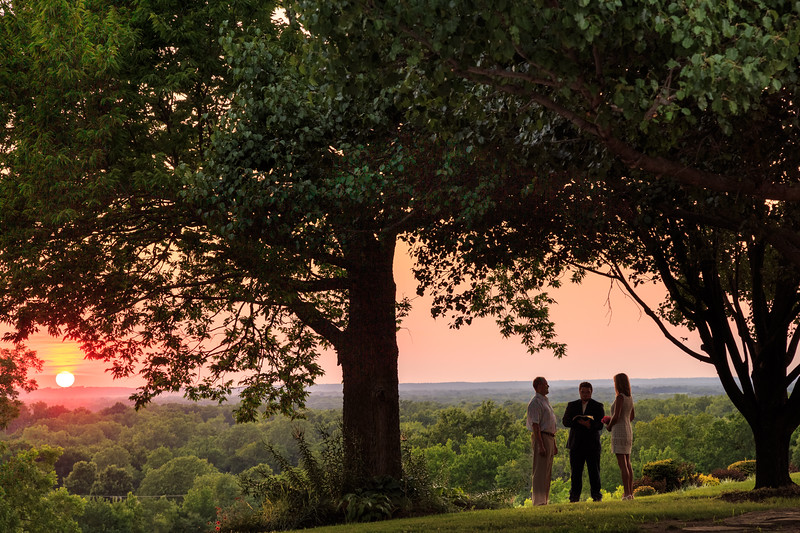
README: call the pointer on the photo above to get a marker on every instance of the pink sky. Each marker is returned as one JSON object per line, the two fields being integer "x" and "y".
{"x": 601, "y": 342}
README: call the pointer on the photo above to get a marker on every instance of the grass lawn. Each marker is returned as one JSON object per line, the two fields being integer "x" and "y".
{"x": 613, "y": 515}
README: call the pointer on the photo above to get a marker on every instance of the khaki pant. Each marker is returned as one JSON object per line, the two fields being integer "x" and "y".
{"x": 542, "y": 468}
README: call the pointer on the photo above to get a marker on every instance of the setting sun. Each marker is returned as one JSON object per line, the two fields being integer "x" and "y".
{"x": 65, "y": 379}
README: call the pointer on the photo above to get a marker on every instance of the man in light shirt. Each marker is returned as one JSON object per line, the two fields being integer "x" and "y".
{"x": 541, "y": 422}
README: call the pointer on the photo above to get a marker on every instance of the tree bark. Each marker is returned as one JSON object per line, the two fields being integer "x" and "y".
{"x": 759, "y": 358}
{"x": 772, "y": 454}
{"x": 772, "y": 429}
{"x": 368, "y": 356}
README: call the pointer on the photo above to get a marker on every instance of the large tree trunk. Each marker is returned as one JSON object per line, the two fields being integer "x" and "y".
{"x": 766, "y": 408}
{"x": 772, "y": 454}
{"x": 772, "y": 429}
{"x": 368, "y": 356}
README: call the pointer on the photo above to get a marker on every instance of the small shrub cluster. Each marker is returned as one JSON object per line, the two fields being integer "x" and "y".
{"x": 659, "y": 485}
{"x": 707, "y": 481}
{"x": 668, "y": 474}
{"x": 729, "y": 475}
{"x": 378, "y": 501}
{"x": 240, "y": 518}
{"x": 643, "y": 490}
{"x": 748, "y": 466}
{"x": 456, "y": 499}
{"x": 311, "y": 494}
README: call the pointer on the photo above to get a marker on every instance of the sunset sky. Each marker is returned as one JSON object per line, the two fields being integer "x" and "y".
{"x": 601, "y": 342}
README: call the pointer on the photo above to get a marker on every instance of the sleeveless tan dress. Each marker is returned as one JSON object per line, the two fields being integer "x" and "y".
{"x": 621, "y": 433}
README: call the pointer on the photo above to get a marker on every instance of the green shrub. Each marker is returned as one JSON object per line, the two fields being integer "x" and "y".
{"x": 644, "y": 490}
{"x": 729, "y": 474}
{"x": 456, "y": 499}
{"x": 687, "y": 474}
{"x": 366, "y": 506}
{"x": 659, "y": 485}
{"x": 674, "y": 475}
{"x": 707, "y": 481}
{"x": 240, "y": 517}
{"x": 312, "y": 495}
{"x": 665, "y": 470}
{"x": 748, "y": 466}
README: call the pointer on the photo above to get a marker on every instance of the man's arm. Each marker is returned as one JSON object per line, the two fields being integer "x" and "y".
{"x": 536, "y": 438}
{"x": 568, "y": 415}
{"x": 599, "y": 412}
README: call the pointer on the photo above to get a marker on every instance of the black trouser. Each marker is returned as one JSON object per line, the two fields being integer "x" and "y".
{"x": 577, "y": 458}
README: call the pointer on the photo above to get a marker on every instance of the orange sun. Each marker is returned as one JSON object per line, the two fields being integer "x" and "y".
{"x": 65, "y": 379}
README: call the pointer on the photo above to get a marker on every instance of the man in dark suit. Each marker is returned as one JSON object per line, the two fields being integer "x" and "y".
{"x": 584, "y": 419}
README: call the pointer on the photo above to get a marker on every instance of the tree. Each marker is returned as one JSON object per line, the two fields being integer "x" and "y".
{"x": 82, "y": 478}
{"x": 668, "y": 132}
{"x": 117, "y": 516}
{"x": 14, "y": 368}
{"x": 175, "y": 477}
{"x": 28, "y": 500}
{"x": 199, "y": 219}
{"x": 66, "y": 462}
{"x": 112, "y": 481}
{"x": 209, "y": 493}
{"x": 114, "y": 455}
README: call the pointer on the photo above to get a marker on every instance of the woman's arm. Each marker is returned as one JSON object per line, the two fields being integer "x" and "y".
{"x": 617, "y": 411}
{"x": 632, "y": 411}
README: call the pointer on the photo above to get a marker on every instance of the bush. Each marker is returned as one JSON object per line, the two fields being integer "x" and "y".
{"x": 687, "y": 474}
{"x": 240, "y": 517}
{"x": 728, "y": 474}
{"x": 456, "y": 499}
{"x": 365, "y": 506}
{"x": 674, "y": 475}
{"x": 748, "y": 466}
{"x": 644, "y": 490}
{"x": 659, "y": 485}
{"x": 707, "y": 481}
{"x": 311, "y": 494}
{"x": 665, "y": 470}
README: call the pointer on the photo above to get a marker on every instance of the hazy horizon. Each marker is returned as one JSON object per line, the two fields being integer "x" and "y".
{"x": 605, "y": 332}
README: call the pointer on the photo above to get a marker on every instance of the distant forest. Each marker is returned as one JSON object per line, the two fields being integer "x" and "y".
{"x": 185, "y": 463}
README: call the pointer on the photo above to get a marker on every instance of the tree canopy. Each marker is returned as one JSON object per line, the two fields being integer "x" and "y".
{"x": 661, "y": 134}
{"x": 207, "y": 196}
{"x": 15, "y": 367}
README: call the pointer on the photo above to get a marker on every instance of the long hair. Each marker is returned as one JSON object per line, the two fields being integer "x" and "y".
{"x": 622, "y": 384}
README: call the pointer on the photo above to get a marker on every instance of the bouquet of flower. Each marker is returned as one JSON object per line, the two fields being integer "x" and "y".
{"x": 605, "y": 420}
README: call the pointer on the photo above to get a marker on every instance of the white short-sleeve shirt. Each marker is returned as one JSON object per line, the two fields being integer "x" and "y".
{"x": 540, "y": 412}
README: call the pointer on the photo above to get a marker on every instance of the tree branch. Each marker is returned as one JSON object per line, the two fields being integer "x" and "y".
{"x": 310, "y": 315}
{"x": 630, "y": 156}
{"x": 618, "y": 275}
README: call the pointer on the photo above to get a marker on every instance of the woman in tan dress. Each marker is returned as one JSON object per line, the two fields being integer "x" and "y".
{"x": 621, "y": 432}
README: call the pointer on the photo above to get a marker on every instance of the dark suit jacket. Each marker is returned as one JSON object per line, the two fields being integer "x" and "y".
{"x": 579, "y": 436}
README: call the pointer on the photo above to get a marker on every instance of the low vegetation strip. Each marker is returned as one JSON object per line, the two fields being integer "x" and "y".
{"x": 672, "y": 511}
